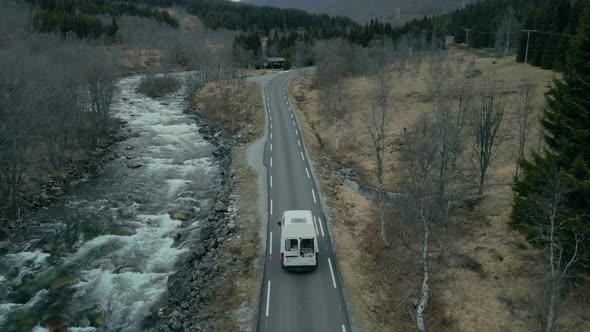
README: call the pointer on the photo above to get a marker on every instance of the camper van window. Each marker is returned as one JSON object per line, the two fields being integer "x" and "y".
{"x": 307, "y": 246}
{"x": 291, "y": 244}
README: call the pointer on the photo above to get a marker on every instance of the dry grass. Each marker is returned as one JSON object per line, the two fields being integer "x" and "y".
{"x": 235, "y": 299}
{"x": 491, "y": 280}
{"x": 238, "y": 110}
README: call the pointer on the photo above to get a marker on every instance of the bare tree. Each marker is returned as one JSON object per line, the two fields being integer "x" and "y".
{"x": 330, "y": 78}
{"x": 524, "y": 112}
{"x": 486, "y": 122}
{"x": 418, "y": 170}
{"x": 547, "y": 210}
{"x": 100, "y": 80}
{"x": 507, "y": 33}
{"x": 378, "y": 129}
{"x": 439, "y": 74}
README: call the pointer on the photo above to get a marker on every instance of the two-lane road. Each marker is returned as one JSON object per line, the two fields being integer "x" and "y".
{"x": 291, "y": 301}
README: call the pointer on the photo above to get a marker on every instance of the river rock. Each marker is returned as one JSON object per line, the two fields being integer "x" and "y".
{"x": 220, "y": 207}
{"x": 134, "y": 165}
{"x": 54, "y": 325}
{"x": 99, "y": 320}
{"x": 4, "y": 246}
{"x": 123, "y": 231}
{"x": 206, "y": 231}
{"x": 179, "y": 216}
{"x": 105, "y": 266}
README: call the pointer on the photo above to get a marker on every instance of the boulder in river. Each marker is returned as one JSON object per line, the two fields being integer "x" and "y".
{"x": 133, "y": 165}
{"x": 4, "y": 246}
{"x": 220, "y": 207}
{"x": 54, "y": 325}
{"x": 179, "y": 216}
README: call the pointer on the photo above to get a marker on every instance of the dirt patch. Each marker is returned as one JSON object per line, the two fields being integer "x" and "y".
{"x": 492, "y": 277}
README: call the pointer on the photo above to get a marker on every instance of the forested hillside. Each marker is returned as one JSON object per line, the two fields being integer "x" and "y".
{"x": 365, "y": 10}
{"x": 82, "y": 17}
{"x": 238, "y": 16}
{"x": 499, "y": 24}
{"x": 494, "y": 21}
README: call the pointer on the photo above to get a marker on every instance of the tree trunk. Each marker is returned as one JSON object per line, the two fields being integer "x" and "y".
{"x": 482, "y": 179}
{"x": 382, "y": 218}
{"x": 552, "y": 308}
{"x": 426, "y": 278}
{"x": 445, "y": 230}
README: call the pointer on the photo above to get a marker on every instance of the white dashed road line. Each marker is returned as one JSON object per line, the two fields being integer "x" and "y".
{"x": 321, "y": 227}
{"x": 343, "y": 328}
{"x": 270, "y": 162}
{"x": 268, "y": 298}
{"x": 299, "y": 142}
{"x": 312, "y": 192}
{"x": 317, "y": 228}
{"x": 271, "y": 208}
{"x": 271, "y": 181}
{"x": 302, "y": 157}
{"x": 331, "y": 271}
{"x": 306, "y": 171}
{"x": 270, "y": 244}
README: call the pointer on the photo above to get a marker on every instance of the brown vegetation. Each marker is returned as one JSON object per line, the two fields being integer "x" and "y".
{"x": 235, "y": 107}
{"x": 491, "y": 278}
{"x": 234, "y": 300}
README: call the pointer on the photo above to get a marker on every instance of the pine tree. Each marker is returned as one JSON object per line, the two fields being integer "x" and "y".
{"x": 566, "y": 123}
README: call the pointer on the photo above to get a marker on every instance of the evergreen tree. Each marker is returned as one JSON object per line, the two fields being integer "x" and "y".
{"x": 567, "y": 126}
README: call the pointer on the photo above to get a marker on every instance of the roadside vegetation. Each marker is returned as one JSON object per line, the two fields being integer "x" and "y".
{"x": 236, "y": 105}
{"x": 420, "y": 151}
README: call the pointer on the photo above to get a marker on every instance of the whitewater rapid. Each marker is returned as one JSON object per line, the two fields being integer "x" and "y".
{"x": 101, "y": 255}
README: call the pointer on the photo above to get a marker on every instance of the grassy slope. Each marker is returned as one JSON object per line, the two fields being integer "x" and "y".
{"x": 492, "y": 277}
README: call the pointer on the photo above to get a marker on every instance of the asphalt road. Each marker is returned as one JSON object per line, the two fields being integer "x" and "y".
{"x": 291, "y": 301}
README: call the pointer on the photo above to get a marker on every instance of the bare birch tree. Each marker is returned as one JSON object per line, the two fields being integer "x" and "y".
{"x": 418, "y": 170}
{"x": 330, "y": 77}
{"x": 524, "y": 113}
{"x": 378, "y": 129}
{"x": 487, "y": 113}
{"x": 439, "y": 74}
{"x": 547, "y": 210}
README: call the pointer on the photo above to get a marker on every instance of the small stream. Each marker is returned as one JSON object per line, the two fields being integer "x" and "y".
{"x": 100, "y": 256}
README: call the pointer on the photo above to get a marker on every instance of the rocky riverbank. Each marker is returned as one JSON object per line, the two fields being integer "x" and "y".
{"x": 189, "y": 289}
{"x": 216, "y": 286}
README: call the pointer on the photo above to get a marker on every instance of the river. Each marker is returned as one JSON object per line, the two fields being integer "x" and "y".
{"x": 100, "y": 256}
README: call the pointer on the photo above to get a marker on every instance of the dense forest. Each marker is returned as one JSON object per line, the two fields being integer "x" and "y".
{"x": 238, "y": 16}
{"x": 498, "y": 24}
{"x": 552, "y": 197}
{"x": 82, "y": 16}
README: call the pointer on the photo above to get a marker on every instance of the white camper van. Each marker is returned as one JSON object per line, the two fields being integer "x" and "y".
{"x": 299, "y": 243}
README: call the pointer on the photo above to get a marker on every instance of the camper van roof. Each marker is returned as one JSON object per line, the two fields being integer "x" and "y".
{"x": 298, "y": 224}
{"x": 297, "y": 217}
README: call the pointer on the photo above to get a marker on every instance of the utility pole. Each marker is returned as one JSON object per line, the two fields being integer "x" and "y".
{"x": 467, "y": 38}
{"x": 526, "y": 52}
